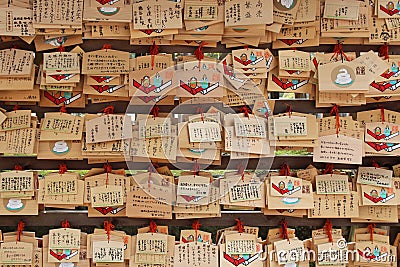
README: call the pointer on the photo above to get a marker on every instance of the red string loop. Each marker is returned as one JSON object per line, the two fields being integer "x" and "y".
{"x": 284, "y": 230}
{"x": 108, "y": 110}
{"x": 155, "y": 111}
{"x": 153, "y": 53}
{"x": 15, "y": 108}
{"x": 285, "y": 170}
{"x": 106, "y": 46}
{"x": 61, "y": 49}
{"x": 328, "y": 168}
{"x": 108, "y": 226}
{"x": 196, "y": 226}
{"x": 65, "y": 224}
{"x": 62, "y": 168}
{"x": 107, "y": 168}
{"x": 240, "y": 170}
{"x": 382, "y": 113}
{"x": 266, "y": 114}
{"x": 375, "y": 164}
{"x": 20, "y": 229}
{"x": 371, "y": 228}
{"x": 199, "y": 53}
{"x": 18, "y": 167}
{"x": 153, "y": 227}
{"x": 384, "y": 51}
{"x": 63, "y": 109}
{"x": 335, "y": 111}
{"x": 338, "y": 51}
{"x": 246, "y": 111}
{"x": 239, "y": 226}
{"x": 328, "y": 230}
{"x": 289, "y": 109}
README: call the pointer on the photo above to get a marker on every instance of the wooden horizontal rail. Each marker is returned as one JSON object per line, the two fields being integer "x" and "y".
{"x": 90, "y": 45}
{"x": 295, "y": 162}
{"x": 304, "y": 106}
{"x": 228, "y": 218}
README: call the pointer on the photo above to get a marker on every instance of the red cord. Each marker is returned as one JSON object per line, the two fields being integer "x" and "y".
{"x": 384, "y": 51}
{"x": 153, "y": 53}
{"x": 62, "y": 168}
{"x": 196, "y": 226}
{"x": 108, "y": 226}
{"x": 65, "y": 224}
{"x": 335, "y": 111}
{"x": 289, "y": 110}
{"x": 155, "y": 111}
{"x": 285, "y": 170}
{"x": 239, "y": 226}
{"x": 338, "y": 51}
{"x": 63, "y": 109}
{"x": 18, "y": 167}
{"x": 107, "y": 168}
{"x": 328, "y": 168}
{"x": 20, "y": 229}
{"x": 375, "y": 164}
{"x": 328, "y": 230}
{"x": 245, "y": 110}
{"x": 199, "y": 53}
{"x": 371, "y": 228}
{"x": 106, "y": 46}
{"x": 152, "y": 227}
{"x": 284, "y": 230}
{"x": 108, "y": 110}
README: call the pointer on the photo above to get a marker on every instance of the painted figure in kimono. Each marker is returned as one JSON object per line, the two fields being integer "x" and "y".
{"x": 204, "y": 82}
{"x": 394, "y": 68}
{"x": 387, "y": 132}
{"x": 190, "y": 238}
{"x": 378, "y": 131}
{"x": 290, "y": 185}
{"x": 374, "y": 194}
{"x": 377, "y": 252}
{"x": 193, "y": 82}
{"x": 367, "y": 253}
{"x": 383, "y": 193}
{"x": 281, "y": 185}
{"x": 390, "y": 6}
{"x": 157, "y": 80}
{"x": 146, "y": 81}
{"x": 243, "y": 57}
{"x": 253, "y": 57}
